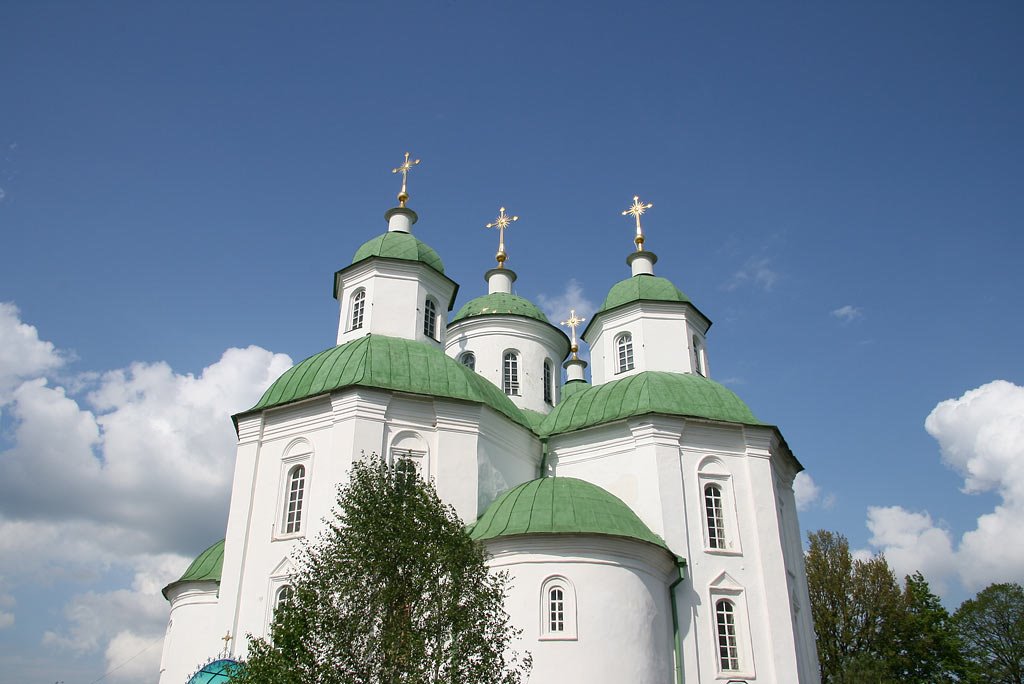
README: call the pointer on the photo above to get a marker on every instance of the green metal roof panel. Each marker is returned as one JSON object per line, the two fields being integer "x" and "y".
{"x": 561, "y": 505}
{"x": 206, "y": 567}
{"x": 500, "y": 303}
{"x": 572, "y": 387}
{"x": 398, "y": 245}
{"x": 673, "y": 394}
{"x": 387, "y": 363}
{"x": 642, "y": 287}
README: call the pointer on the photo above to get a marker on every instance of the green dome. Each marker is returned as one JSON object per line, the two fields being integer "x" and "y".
{"x": 642, "y": 287}
{"x": 397, "y": 245}
{"x": 218, "y": 672}
{"x": 205, "y": 568}
{"x": 673, "y": 394}
{"x": 500, "y": 303}
{"x": 389, "y": 363}
{"x": 561, "y": 505}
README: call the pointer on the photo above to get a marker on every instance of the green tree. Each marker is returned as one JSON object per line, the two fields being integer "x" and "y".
{"x": 929, "y": 651}
{"x": 829, "y": 568}
{"x": 991, "y": 627}
{"x": 392, "y": 592}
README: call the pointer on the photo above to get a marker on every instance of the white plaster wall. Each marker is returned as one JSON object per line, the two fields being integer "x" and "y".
{"x": 191, "y": 631}
{"x": 662, "y": 339}
{"x": 623, "y": 616}
{"x": 395, "y": 295}
{"x": 489, "y": 337}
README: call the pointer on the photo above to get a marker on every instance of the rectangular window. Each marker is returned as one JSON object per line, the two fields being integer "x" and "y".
{"x": 728, "y": 654}
{"x": 547, "y": 382}
{"x": 716, "y": 521}
{"x": 511, "y": 374}
{"x": 556, "y": 610}
{"x": 296, "y": 489}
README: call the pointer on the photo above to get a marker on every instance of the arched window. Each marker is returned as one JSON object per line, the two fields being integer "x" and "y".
{"x": 511, "y": 377}
{"x": 715, "y": 516}
{"x": 624, "y": 350}
{"x": 556, "y": 610}
{"x": 468, "y": 359}
{"x": 548, "y": 382}
{"x": 430, "y": 319}
{"x": 358, "y": 307}
{"x": 284, "y": 594}
{"x": 725, "y": 621}
{"x": 698, "y": 367}
{"x": 293, "y": 503}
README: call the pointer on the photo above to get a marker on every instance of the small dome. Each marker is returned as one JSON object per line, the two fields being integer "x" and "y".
{"x": 205, "y": 568}
{"x": 218, "y": 672}
{"x": 500, "y": 303}
{"x": 389, "y": 363}
{"x": 673, "y": 394}
{"x": 561, "y": 505}
{"x": 642, "y": 287}
{"x": 397, "y": 245}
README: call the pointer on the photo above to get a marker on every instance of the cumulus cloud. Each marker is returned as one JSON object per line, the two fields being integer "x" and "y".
{"x": 847, "y": 313}
{"x": 981, "y": 436}
{"x": 557, "y": 307}
{"x": 137, "y": 478}
{"x": 756, "y": 272}
{"x": 805, "y": 490}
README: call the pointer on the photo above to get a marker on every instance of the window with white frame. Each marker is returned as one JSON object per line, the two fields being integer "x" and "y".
{"x": 294, "y": 493}
{"x": 510, "y": 380}
{"x": 468, "y": 359}
{"x": 557, "y": 609}
{"x": 624, "y": 353}
{"x": 725, "y": 628}
{"x": 698, "y": 366}
{"x": 718, "y": 507}
{"x": 430, "y": 319}
{"x": 549, "y": 381}
{"x": 713, "y": 513}
{"x": 358, "y": 308}
{"x": 284, "y": 594}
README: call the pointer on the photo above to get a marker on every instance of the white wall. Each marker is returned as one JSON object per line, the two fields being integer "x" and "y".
{"x": 191, "y": 631}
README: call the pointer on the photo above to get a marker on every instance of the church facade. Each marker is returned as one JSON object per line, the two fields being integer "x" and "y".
{"x": 646, "y": 517}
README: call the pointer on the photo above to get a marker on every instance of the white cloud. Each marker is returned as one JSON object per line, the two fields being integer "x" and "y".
{"x": 557, "y": 307}
{"x": 805, "y": 490}
{"x": 981, "y": 436}
{"x": 756, "y": 271}
{"x": 22, "y": 354}
{"x": 848, "y": 313}
{"x": 133, "y": 477}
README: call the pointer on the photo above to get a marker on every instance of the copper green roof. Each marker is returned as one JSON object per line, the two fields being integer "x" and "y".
{"x": 218, "y": 672}
{"x": 205, "y": 568}
{"x": 500, "y": 303}
{"x": 561, "y": 505}
{"x": 572, "y": 387}
{"x": 642, "y": 287}
{"x": 673, "y": 394}
{"x": 398, "y": 245}
{"x": 389, "y": 363}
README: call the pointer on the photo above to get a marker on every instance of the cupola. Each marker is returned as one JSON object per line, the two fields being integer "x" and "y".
{"x": 395, "y": 285}
{"x": 645, "y": 323}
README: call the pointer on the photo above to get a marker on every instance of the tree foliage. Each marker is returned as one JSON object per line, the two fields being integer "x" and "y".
{"x": 869, "y": 631}
{"x": 392, "y": 592}
{"x": 991, "y": 627}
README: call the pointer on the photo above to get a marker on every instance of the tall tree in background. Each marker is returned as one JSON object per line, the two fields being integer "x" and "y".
{"x": 869, "y": 631}
{"x": 991, "y": 626}
{"x": 392, "y": 592}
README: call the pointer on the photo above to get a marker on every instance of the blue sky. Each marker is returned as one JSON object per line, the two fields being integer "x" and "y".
{"x": 839, "y": 187}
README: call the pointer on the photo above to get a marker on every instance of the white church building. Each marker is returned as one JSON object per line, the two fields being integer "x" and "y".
{"x": 646, "y": 517}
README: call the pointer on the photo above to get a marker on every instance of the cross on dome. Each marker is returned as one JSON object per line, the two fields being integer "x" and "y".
{"x": 501, "y": 223}
{"x": 404, "y": 168}
{"x": 573, "y": 323}
{"x": 636, "y": 211}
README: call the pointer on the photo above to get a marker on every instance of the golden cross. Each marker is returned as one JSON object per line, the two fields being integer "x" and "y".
{"x": 227, "y": 640}
{"x": 572, "y": 324}
{"x": 404, "y": 168}
{"x": 636, "y": 211}
{"x": 501, "y": 223}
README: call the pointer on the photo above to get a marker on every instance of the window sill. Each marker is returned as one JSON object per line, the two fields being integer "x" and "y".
{"x": 553, "y": 637}
{"x": 278, "y": 536}
{"x": 723, "y": 552}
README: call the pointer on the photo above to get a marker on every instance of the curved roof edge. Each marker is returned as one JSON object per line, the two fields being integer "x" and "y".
{"x": 207, "y": 567}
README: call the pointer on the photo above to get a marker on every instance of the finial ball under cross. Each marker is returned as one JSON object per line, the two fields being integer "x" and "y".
{"x": 636, "y": 211}
{"x": 404, "y": 168}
